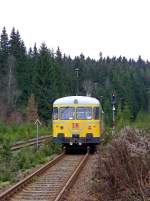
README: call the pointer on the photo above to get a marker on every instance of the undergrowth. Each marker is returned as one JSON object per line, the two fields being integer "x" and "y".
{"x": 13, "y": 164}
{"x": 21, "y": 132}
{"x": 123, "y": 168}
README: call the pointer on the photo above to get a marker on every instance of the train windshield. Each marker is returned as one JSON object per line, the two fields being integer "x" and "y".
{"x": 55, "y": 113}
{"x": 84, "y": 113}
{"x": 67, "y": 113}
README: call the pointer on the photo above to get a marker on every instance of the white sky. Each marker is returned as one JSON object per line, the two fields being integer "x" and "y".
{"x": 114, "y": 27}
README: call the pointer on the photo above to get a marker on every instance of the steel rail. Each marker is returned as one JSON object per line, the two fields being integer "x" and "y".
{"x": 33, "y": 139}
{"x": 29, "y": 143}
{"x": 54, "y": 179}
{"x": 73, "y": 177}
{"x": 4, "y": 196}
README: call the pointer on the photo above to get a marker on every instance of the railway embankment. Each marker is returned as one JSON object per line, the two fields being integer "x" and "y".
{"x": 123, "y": 168}
{"x": 118, "y": 171}
{"x": 50, "y": 182}
{"x": 14, "y": 166}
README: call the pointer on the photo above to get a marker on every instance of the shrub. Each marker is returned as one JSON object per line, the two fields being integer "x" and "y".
{"x": 13, "y": 163}
{"x": 123, "y": 172}
{"x": 21, "y": 132}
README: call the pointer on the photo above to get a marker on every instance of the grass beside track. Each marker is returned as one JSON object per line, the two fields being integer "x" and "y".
{"x": 13, "y": 165}
{"x": 21, "y": 132}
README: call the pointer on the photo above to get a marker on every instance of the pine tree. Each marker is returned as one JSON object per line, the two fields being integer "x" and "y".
{"x": 59, "y": 56}
{"x": 46, "y": 85}
{"x": 12, "y": 92}
{"x": 18, "y": 50}
{"x": 15, "y": 43}
{"x": 3, "y": 63}
{"x": 35, "y": 51}
{"x": 4, "y": 43}
{"x": 67, "y": 76}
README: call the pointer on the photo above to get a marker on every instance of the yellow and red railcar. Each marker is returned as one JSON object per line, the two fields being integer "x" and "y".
{"x": 77, "y": 121}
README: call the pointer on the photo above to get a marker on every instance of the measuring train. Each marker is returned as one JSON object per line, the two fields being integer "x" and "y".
{"x": 77, "y": 121}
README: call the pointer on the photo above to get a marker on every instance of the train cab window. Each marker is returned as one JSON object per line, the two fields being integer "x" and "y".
{"x": 67, "y": 113}
{"x": 55, "y": 113}
{"x": 84, "y": 113}
{"x": 96, "y": 113}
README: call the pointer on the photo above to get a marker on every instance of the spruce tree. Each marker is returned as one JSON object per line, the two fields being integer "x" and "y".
{"x": 4, "y": 43}
{"x": 3, "y": 61}
{"x": 46, "y": 83}
{"x": 18, "y": 50}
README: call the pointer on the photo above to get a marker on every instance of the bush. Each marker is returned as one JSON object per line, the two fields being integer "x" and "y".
{"x": 21, "y": 132}
{"x": 142, "y": 121}
{"x": 12, "y": 163}
{"x": 7, "y": 166}
{"x": 123, "y": 168}
{"x": 107, "y": 136}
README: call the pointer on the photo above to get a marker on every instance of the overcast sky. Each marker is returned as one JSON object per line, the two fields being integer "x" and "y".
{"x": 114, "y": 27}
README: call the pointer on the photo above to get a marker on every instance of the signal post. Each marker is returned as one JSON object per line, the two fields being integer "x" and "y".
{"x": 113, "y": 99}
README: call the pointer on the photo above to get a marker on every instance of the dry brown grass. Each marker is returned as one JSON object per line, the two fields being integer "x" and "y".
{"x": 123, "y": 170}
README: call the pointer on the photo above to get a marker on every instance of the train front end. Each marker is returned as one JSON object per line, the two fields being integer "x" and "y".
{"x": 76, "y": 121}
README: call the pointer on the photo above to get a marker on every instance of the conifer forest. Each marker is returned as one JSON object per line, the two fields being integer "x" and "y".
{"x": 38, "y": 76}
{"x": 32, "y": 79}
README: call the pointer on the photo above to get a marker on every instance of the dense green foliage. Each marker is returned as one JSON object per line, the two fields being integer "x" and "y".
{"x": 49, "y": 75}
{"x": 15, "y": 133}
{"x": 12, "y": 164}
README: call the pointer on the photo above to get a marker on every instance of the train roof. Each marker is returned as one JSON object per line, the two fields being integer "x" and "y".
{"x": 82, "y": 100}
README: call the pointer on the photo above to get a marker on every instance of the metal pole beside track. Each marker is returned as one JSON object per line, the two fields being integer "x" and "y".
{"x": 113, "y": 128}
{"x": 113, "y": 112}
{"x": 37, "y": 122}
{"x": 77, "y": 74}
{"x": 37, "y": 137}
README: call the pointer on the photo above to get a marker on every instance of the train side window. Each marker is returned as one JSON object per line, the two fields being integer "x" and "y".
{"x": 55, "y": 113}
{"x": 96, "y": 113}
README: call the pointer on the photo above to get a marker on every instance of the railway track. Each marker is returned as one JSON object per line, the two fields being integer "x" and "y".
{"x": 50, "y": 182}
{"x": 31, "y": 142}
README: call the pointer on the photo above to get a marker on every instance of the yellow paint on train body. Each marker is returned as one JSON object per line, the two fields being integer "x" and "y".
{"x": 78, "y": 117}
{"x": 82, "y": 127}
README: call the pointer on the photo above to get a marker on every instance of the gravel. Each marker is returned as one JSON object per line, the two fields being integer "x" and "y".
{"x": 82, "y": 189}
